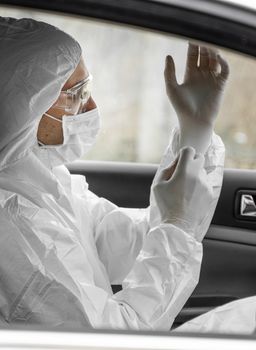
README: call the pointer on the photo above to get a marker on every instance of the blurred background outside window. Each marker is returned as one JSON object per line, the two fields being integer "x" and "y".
{"x": 127, "y": 65}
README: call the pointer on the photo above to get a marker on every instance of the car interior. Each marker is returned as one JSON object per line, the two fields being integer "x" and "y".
{"x": 124, "y": 177}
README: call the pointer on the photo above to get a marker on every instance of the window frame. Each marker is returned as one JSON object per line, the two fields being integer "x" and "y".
{"x": 223, "y": 24}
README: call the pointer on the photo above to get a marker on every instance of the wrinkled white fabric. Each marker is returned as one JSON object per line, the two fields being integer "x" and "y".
{"x": 237, "y": 317}
{"x": 79, "y": 134}
{"x": 61, "y": 246}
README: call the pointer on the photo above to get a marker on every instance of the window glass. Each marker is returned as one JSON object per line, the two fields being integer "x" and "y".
{"x": 127, "y": 65}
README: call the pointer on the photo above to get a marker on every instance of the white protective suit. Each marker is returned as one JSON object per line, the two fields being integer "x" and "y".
{"x": 61, "y": 246}
{"x": 236, "y": 317}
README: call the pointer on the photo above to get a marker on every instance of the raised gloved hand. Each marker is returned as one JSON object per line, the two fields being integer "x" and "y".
{"x": 182, "y": 193}
{"x": 197, "y": 100}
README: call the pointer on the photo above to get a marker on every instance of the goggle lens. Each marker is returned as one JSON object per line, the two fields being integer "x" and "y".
{"x": 71, "y": 99}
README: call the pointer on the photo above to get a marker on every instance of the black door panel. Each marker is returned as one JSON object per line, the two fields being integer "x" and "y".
{"x": 229, "y": 262}
{"x": 228, "y": 273}
{"x": 227, "y": 269}
{"x": 231, "y": 234}
{"x": 125, "y": 184}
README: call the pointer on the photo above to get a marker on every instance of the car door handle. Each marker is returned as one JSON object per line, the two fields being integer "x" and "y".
{"x": 247, "y": 205}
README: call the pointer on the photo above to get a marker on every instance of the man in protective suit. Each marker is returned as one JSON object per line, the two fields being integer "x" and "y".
{"x": 61, "y": 246}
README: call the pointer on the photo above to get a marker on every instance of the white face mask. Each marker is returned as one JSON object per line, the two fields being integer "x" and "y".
{"x": 79, "y": 134}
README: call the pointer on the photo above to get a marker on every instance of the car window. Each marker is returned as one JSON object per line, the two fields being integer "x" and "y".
{"x": 128, "y": 86}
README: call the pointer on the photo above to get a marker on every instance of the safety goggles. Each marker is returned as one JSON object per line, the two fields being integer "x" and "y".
{"x": 70, "y": 100}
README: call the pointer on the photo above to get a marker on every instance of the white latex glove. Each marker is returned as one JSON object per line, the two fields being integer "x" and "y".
{"x": 197, "y": 100}
{"x": 182, "y": 193}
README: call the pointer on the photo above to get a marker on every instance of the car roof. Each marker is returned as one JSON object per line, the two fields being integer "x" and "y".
{"x": 243, "y": 3}
{"x": 240, "y": 11}
{"x": 217, "y": 22}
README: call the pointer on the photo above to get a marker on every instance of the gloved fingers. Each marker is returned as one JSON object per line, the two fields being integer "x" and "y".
{"x": 185, "y": 156}
{"x": 192, "y": 56}
{"x": 189, "y": 162}
{"x": 170, "y": 75}
{"x": 167, "y": 173}
{"x": 196, "y": 165}
{"x": 203, "y": 175}
{"x": 192, "y": 60}
{"x": 205, "y": 181}
{"x": 199, "y": 158}
{"x": 213, "y": 61}
{"x": 224, "y": 73}
{"x": 204, "y": 58}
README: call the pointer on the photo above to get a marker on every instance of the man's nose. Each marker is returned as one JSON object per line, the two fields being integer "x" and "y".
{"x": 89, "y": 105}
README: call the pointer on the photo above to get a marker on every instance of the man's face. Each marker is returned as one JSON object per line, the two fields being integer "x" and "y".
{"x": 50, "y": 131}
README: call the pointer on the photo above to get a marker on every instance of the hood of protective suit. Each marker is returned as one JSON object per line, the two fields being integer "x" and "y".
{"x": 35, "y": 61}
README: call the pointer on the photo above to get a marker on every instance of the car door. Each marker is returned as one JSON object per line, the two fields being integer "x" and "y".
{"x": 229, "y": 265}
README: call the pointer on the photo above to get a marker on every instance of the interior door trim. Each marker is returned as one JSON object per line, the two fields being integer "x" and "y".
{"x": 231, "y": 234}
